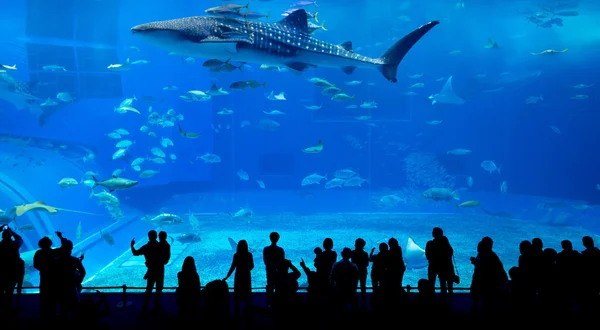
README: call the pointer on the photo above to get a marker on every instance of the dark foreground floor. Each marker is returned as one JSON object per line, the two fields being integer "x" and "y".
{"x": 262, "y": 318}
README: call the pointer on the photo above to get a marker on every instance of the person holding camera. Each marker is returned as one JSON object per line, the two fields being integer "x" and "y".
{"x": 11, "y": 271}
{"x": 439, "y": 253}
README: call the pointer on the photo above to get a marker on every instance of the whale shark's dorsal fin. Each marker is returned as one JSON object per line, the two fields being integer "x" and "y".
{"x": 214, "y": 88}
{"x": 297, "y": 20}
{"x": 347, "y": 46}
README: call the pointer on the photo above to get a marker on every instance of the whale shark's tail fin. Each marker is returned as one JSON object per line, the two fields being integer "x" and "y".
{"x": 394, "y": 55}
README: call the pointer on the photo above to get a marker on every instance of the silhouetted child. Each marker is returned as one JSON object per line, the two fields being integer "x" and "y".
{"x": 188, "y": 289}
{"x": 361, "y": 259}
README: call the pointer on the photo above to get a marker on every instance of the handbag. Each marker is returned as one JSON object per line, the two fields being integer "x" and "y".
{"x": 456, "y": 276}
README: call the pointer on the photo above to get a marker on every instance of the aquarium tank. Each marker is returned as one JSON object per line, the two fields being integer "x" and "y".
{"x": 340, "y": 119}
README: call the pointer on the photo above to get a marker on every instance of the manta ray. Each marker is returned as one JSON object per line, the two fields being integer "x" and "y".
{"x": 414, "y": 256}
{"x": 447, "y": 95}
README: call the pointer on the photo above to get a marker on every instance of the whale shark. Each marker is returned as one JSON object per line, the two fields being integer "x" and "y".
{"x": 18, "y": 93}
{"x": 287, "y": 42}
{"x": 447, "y": 95}
{"x": 414, "y": 256}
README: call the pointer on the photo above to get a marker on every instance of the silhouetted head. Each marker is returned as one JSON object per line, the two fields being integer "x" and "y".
{"x": 514, "y": 273}
{"x": 189, "y": 264}
{"x": 424, "y": 286}
{"x": 437, "y": 232}
{"x": 487, "y": 243}
{"x": 588, "y": 242}
{"x": 550, "y": 255}
{"x": 383, "y": 247}
{"x": 6, "y": 235}
{"x": 66, "y": 247}
{"x": 566, "y": 245}
{"x": 274, "y": 237}
{"x": 318, "y": 250}
{"x": 393, "y": 243}
{"x": 162, "y": 235}
{"x": 346, "y": 253}
{"x": 537, "y": 244}
{"x": 45, "y": 243}
{"x": 284, "y": 266}
{"x": 152, "y": 235}
{"x": 525, "y": 247}
{"x": 328, "y": 244}
{"x": 242, "y": 246}
{"x": 360, "y": 244}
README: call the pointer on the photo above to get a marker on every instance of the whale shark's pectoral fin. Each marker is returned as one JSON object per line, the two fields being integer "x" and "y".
{"x": 348, "y": 69}
{"x": 300, "y": 66}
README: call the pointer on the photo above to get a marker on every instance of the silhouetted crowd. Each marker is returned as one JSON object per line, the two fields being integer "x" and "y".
{"x": 564, "y": 284}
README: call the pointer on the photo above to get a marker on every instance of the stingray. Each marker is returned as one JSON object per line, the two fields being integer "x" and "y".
{"x": 39, "y": 206}
{"x": 447, "y": 95}
{"x": 414, "y": 256}
{"x": 234, "y": 245}
{"x": 491, "y": 44}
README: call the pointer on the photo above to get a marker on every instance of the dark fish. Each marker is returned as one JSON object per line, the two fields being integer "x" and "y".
{"x": 213, "y": 63}
{"x": 242, "y": 85}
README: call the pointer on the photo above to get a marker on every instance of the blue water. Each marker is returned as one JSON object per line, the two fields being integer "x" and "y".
{"x": 539, "y": 165}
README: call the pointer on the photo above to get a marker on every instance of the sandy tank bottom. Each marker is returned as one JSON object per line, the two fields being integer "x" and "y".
{"x": 300, "y": 234}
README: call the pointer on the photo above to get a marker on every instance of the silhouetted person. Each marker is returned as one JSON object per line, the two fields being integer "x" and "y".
{"x": 242, "y": 264}
{"x": 43, "y": 261}
{"x": 156, "y": 268}
{"x": 395, "y": 268}
{"x": 188, "y": 290}
{"x": 69, "y": 275}
{"x": 537, "y": 266}
{"x": 379, "y": 266}
{"x": 323, "y": 263}
{"x": 423, "y": 303}
{"x": 10, "y": 263}
{"x": 165, "y": 247}
{"x": 439, "y": 252}
{"x": 286, "y": 301}
{"x": 590, "y": 274}
{"x": 91, "y": 313}
{"x": 344, "y": 279}
{"x": 217, "y": 304}
{"x": 527, "y": 266}
{"x": 313, "y": 283}
{"x": 272, "y": 256}
{"x": 547, "y": 290}
{"x": 287, "y": 284}
{"x": 489, "y": 276}
{"x": 361, "y": 259}
{"x": 568, "y": 266}
{"x": 519, "y": 300}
